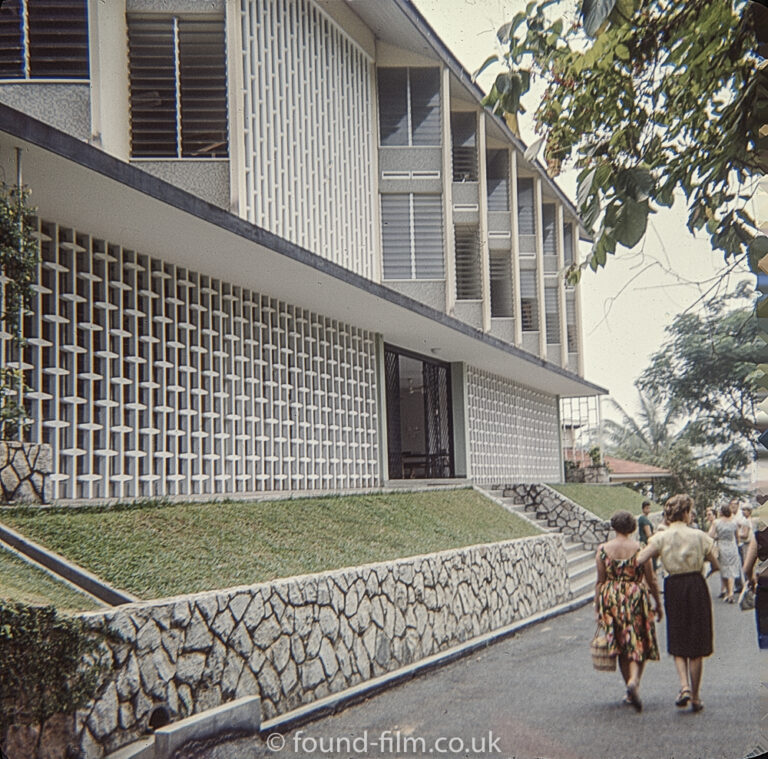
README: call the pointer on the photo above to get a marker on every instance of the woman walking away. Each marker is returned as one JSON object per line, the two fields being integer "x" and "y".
{"x": 622, "y": 604}
{"x": 725, "y": 532}
{"x": 683, "y": 552}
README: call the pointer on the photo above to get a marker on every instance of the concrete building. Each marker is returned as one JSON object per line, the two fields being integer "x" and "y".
{"x": 283, "y": 248}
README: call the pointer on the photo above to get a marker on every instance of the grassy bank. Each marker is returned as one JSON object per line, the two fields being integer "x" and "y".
{"x": 168, "y": 549}
{"x": 604, "y": 500}
{"x": 20, "y": 581}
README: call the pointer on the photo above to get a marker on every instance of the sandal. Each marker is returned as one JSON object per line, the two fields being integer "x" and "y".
{"x": 633, "y": 698}
{"x": 683, "y": 697}
{"x": 697, "y": 706}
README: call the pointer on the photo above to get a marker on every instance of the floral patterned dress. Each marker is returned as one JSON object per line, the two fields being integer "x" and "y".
{"x": 624, "y": 610}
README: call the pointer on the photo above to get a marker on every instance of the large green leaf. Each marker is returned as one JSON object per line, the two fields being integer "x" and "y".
{"x": 631, "y": 222}
{"x": 594, "y": 13}
{"x": 757, "y": 249}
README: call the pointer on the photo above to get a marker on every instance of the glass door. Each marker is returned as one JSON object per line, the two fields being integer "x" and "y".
{"x": 419, "y": 424}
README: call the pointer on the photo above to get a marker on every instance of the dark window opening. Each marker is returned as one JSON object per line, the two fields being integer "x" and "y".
{"x": 464, "y": 146}
{"x": 419, "y": 421}
{"x": 529, "y": 305}
{"x": 469, "y": 284}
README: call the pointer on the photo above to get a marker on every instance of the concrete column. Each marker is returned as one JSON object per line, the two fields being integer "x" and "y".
{"x": 460, "y": 417}
{"x": 450, "y": 244}
{"x": 540, "y": 267}
{"x": 233, "y": 32}
{"x": 515, "y": 246}
{"x": 561, "y": 287}
{"x": 110, "y": 91}
{"x": 381, "y": 409}
{"x": 482, "y": 197}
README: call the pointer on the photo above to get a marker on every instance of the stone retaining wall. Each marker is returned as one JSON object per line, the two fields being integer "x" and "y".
{"x": 24, "y": 470}
{"x": 561, "y": 512}
{"x": 296, "y": 640}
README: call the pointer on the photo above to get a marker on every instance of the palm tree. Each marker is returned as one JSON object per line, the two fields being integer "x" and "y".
{"x": 648, "y": 438}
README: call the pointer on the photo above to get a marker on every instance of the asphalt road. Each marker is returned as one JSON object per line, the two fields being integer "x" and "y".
{"x": 536, "y": 696}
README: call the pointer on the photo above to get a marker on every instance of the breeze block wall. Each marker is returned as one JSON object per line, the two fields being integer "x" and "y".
{"x": 513, "y": 430}
{"x": 150, "y": 379}
{"x": 296, "y": 640}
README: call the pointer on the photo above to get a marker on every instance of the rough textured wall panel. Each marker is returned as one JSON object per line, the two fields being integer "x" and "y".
{"x": 64, "y": 106}
{"x": 149, "y": 379}
{"x": 297, "y": 640}
{"x": 308, "y": 131}
{"x": 513, "y": 431}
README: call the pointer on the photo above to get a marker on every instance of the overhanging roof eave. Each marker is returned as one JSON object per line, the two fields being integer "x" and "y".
{"x": 132, "y": 185}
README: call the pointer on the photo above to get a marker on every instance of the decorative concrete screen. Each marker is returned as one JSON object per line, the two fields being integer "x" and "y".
{"x": 297, "y": 640}
{"x": 309, "y": 158}
{"x": 514, "y": 431}
{"x": 150, "y": 379}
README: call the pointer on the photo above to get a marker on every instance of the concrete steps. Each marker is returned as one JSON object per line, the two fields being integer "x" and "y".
{"x": 581, "y": 568}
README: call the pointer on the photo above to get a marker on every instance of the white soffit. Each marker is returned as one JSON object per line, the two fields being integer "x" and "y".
{"x": 113, "y": 202}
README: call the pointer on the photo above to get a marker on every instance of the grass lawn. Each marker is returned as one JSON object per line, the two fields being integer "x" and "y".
{"x": 604, "y": 500}
{"x": 20, "y": 581}
{"x": 169, "y": 549}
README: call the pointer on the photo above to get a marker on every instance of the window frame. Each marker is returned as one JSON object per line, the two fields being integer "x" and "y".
{"x": 410, "y": 143}
{"x": 177, "y": 21}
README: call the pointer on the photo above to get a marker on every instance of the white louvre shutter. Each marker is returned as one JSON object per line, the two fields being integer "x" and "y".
{"x": 468, "y": 279}
{"x": 393, "y": 106}
{"x": 529, "y": 301}
{"x": 548, "y": 219}
{"x": 498, "y": 180}
{"x": 570, "y": 320}
{"x": 151, "y": 49}
{"x": 526, "y": 218}
{"x": 568, "y": 244}
{"x": 178, "y": 87}
{"x": 58, "y": 39}
{"x": 425, "y": 106}
{"x": 501, "y": 284}
{"x": 55, "y": 45}
{"x": 553, "y": 315}
{"x": 464, "y": 147}
{"x": 396, "y": 236}
{"x": 203, "y": 87}
{"x": 11, "y": 40}
{"x": 428, "y": 236}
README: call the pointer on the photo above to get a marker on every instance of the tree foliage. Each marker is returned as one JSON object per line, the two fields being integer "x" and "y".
{"x": 706, "y": 372}
{"x": 18, "y": 271}
{"x": 647, "y": 98}
{"x": 50, "y": 664}
{"x": 698, "y": 401}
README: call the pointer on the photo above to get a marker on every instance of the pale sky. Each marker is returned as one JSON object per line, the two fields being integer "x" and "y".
{"x": 626, "y": 305}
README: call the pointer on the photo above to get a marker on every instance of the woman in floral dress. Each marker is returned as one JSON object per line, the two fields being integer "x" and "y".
{"x": 622, "y": 604}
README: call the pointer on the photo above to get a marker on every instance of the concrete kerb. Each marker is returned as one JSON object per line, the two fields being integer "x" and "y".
{"x": 240, "y": 716}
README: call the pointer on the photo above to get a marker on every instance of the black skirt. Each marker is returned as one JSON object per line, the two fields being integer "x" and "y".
{"x": 689, "y": 615}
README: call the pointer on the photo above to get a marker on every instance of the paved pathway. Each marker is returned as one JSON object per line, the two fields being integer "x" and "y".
{"x": 536, "y": 696}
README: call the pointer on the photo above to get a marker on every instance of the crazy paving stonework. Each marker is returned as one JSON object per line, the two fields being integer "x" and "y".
{"x": 24, "y": 469}
{"x": 297, "y": 640}
{"x": 561, "y": 512}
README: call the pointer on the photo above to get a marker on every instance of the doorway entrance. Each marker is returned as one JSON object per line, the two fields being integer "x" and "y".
{"x": 419, "y": 423}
